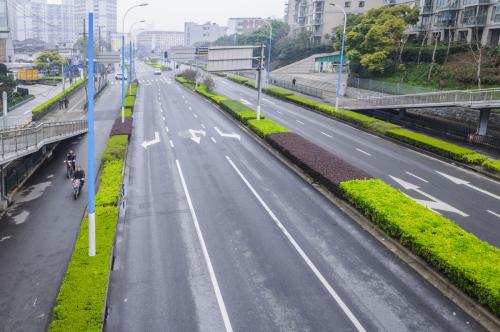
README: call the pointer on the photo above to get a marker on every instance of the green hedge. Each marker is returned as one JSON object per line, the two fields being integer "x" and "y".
{"x": 132, "y": 90}
{"x": 280, "y": 93}
{"x": 302, "y": 101}
{"x": 111, "y": 182}
{"x": 128, "y": 112}
{"x": 130, "y": 102}
{"x": 492, "y": 165}
{"x": 52, "y": 101}
{"x": 181, "y": 79}
{"x": 436, "y": 145}
{"x": 250, "y": 84}
{"x": 202, "y": 90}
{"x": 116, "y": 148}
{"x": 241, "y": 112}
{"x": 471, "y": 264}
{"x": 265, "y": 127}
{"x": 237, "y": 79}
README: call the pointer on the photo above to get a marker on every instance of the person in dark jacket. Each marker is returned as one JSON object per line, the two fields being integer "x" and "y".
{"x": 79, "y": 175}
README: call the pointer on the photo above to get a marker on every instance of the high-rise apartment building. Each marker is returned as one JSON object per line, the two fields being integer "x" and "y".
{"x": 460, "y": 20}
{"x": 238, "y": 25}
{"x": 4, "y": 30}
{"x": 105, "y": 17}
{"x": 320, "y": 18}
{"x": 158, "y": 41}
{"x": 208, "y": 32}
{"x": 60, "y": 22}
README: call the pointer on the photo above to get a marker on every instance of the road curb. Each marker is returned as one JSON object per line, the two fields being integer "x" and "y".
{"x": 484, "y": 317}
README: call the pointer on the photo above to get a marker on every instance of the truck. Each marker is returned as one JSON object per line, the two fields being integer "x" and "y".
{"x": 27, "y": 75}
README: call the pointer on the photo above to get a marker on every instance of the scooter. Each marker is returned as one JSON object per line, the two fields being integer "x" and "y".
{"x": 70, "y": 168}
{"x": 76, "y": 188}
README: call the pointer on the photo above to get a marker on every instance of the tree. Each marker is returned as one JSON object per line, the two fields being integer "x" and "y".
{"x": 375, "y": 40}
{"x": 49, "y": 59}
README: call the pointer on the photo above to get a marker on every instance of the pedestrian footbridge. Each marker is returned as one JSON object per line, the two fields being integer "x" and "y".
{"x": 19, "y": 142}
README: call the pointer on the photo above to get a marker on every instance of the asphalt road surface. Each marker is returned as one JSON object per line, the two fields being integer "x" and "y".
{"x": 219, "y": 235}
{"x": 466, "y": 197}
{"x": 38, "y": 231}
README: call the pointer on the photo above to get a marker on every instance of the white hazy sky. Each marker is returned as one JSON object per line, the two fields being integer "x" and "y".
{"x": 171, "y": 14}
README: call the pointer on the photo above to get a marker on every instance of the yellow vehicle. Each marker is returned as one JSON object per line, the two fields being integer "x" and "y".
{"x": 27, "y": 75}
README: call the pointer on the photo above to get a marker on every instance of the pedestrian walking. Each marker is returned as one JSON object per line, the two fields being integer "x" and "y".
{"x": 66, "y": 102}
{"x": 60, "y": 104}
{"x": 294, "y": 81}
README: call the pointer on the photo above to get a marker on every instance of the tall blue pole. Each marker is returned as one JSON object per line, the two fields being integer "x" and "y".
{"x": 91, "y": 176}
{"x": 130, "y": 65}
{"x": 341, "y": 63}
{"x": 123, "y": 77}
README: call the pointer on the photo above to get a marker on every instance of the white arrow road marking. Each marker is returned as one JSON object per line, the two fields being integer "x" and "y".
{"x": 145, "y": 144}
{"x": 467, "y": 184}
{"x": 363, "y": 152}
{"x": 489, "y": 211}
{"x": 227, "y": 135}
{"x": 246, "y": 102}
{"x": 417, "y": 177}
{"x": 194, "y": 135}
{"x": 433, "y": 204}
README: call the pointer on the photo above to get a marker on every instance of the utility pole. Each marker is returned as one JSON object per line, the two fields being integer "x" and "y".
{"x": 84, "y": 49}
{"x": 260, "y": 68}
{"x": 5, "y": 109}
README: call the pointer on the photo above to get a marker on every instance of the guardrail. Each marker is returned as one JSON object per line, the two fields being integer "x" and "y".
{"x": 15, "y": 143}
{"x": 385, "y": 87}
{"x": 305, "y": 89}
{"x": 467, "y": 98}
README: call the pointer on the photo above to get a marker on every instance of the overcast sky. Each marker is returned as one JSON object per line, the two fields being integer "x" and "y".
{"x": 171, "y": 14}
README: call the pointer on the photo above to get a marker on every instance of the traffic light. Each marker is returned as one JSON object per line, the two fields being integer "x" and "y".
{"x": 165, "y": 55}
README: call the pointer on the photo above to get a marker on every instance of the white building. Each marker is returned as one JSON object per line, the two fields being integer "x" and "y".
{"x": 208, "y": 32}
{"x": 105, "y": 17}
{"x": 238, "y": 25}
{"x": 158, "y": 41}
{"x": 320, "y": 17}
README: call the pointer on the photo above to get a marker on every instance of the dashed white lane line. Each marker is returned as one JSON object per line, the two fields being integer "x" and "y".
{"x": 279, "y": 112}
{"x": 208, "y": 262}
{"x": 161, "y": 110}
{"x": 213, "y": 139}
{"x": 195, "y": 116}
{"x": 5, "y": 238}
{"x": 203, "y": 126}
{"x": 327, "y": 135}
{"x": 190, "y": 108}
{"x": 493, "y": 213}
{"x": 363, "y": 152}
{"x": 268, "y": 101}
{"x": 224, "y": 82}
{"x": 246, "y": 102}
{"x": 302, "y": 123}
{"x": 171, "y": 143}
{"x": 163, "y": 118}
{"x": 301, "y": 252}
{"x": 166, "y": 128}
{"x": 417, "y": 177}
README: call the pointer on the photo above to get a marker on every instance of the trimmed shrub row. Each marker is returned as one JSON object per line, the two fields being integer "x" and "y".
{"x": 265, "y": 127}
{"x": 52, "y": 101}
{"x": 122, "y": 128}
{"x": 241, "y": 112}
{"x": 471, "y": 264}
{"x": 129, "y": 102}
{"x": 492, "y": 165}
{"x": 320, "y": 164}
{"x": 132, "y": 90}
{"x": 237, "y": 79}
{"x": 202, "y": 90}
{"x": 80, "y": 302}
{"x": 277, "y": 92}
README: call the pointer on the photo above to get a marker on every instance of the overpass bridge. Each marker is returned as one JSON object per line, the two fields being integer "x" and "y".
{"x": 483, "y": 100}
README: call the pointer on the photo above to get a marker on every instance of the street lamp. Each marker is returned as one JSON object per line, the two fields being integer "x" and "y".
{"x": 269, "y": 51}
{"x": 131, "y": 53}
{"x": 123, "y": 55}
{"x": 341, "y": 56}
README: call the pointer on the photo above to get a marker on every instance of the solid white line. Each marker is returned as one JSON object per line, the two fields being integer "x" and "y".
{"x": 417, "y": 177}
{"x": 493, "y": 213}
{"x": 163, "y": 118}
{"x": 327, "y": 135}
{"x": 195, "y": 116}
{"x": 364, "y": 152}
{"x": 166, "y": 128}
{"x": 213, "y": 278}
{"x": 301, "y": 252}
{"x": 213, "y": 139}
{"x": 171, "y": 143}
{"x": 302, "y": 123}
{"x": 203, "y": 126}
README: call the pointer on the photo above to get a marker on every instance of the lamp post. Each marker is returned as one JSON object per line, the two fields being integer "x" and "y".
{"x": 269, "y": 51}
{"x": 131, "y": 55}
{"x": 123, "y": 56}
{"x": 341, "y": 56}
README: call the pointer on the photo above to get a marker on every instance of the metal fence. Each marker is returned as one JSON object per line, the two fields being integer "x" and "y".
{"x": 22, "y": 141}
{"x": 385, "y": 87}
{"x": 451, "y": 98}
{"x": 305, "y": 89}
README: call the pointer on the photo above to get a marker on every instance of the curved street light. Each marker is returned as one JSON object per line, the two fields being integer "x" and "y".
{"x": 341, "y": 56}
{"x": 123, "y": 55}
{"x": 270, "y": 23}
{"x": 131, "y": 53}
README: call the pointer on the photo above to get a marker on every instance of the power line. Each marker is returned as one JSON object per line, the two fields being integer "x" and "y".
{"x": 28, "y": 12}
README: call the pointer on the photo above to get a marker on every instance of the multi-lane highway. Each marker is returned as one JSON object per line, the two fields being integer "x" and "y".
{"x": 468, "y": 198}
{"x": 220, "y": 235}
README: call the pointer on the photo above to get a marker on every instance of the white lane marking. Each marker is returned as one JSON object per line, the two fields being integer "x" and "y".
{"x": 233, "y": 135}
{"x": 279, "y": 112}
{"x": 417, "y": 177}
{"x": 246, "y": 102}
{"x": 213, "y": 277}
{"x": 493, "y": 213}
{"x": 195, "y": 116}
{"x": 363, "y": 152}
{"x": 28, "y": 111}
{"x": 213, "y": 139}
{"x": 166, "y": 128}
{"x": 190, "y": 108}
{"x": 433, "y": 204}
{"x": 203, "y": 126}
{"x": 196, "y": 135}
{"x": 171, "y": 143}
{"x": 467, "y": 184}
{"x": 182, "y": 96}
{"x": 302, "y": 123}
{"x": 301, "y": 252}
{"x": 163, "y": 118}
{"x": 224, "y": 82}
{"x": 267, "y": 100}
{"x": 327, "y": 135}
{"x": 34, "y": 302}
{"x": 5, "y": 238}
{"x": 156, "y": 140}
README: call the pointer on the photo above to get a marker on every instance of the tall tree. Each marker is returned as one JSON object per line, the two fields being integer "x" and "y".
{"x": 49, "y": 59}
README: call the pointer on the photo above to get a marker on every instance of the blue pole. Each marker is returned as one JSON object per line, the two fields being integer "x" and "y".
{"x": 341, "y": 64}
{"x": 130, "y": 65}
{"x": 123, "y": 77}
{"x": 269, "y": 54}
{"x": 91, "y": 176}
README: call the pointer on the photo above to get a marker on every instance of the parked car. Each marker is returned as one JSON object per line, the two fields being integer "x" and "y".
{"x": 118, "y": 76}
{"x": 157, "y": 72}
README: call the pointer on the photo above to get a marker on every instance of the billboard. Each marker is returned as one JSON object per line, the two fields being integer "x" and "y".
{"x": 182, "y": 54}
{"x": 230, "y": 58}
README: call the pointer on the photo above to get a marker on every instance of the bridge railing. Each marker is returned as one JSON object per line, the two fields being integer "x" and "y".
{"x": 455, "y": 97}
{"x": 18, "y": 141}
